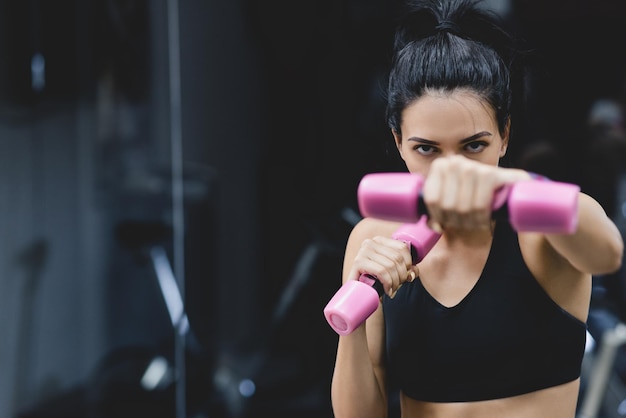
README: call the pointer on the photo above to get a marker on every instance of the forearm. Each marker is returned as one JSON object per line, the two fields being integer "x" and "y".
{"x": 596, "y": 246}
{"x": 356, "y": 390}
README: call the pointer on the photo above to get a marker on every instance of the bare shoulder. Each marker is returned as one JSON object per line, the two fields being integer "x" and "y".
{"x": 371, "y": 227}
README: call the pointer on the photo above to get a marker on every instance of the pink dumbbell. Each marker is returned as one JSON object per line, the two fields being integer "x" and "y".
{"x": 356, "y": 300}
{"x": 533, "y": 205}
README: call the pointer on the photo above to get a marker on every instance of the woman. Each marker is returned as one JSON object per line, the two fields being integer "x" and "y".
{"x": 492, "y": 322}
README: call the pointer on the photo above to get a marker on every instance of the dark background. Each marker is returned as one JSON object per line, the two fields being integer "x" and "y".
{"x": 281, "y": 114}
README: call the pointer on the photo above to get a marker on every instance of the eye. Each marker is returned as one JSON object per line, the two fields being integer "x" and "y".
{"x": 476, "y": 146}
{"x": 425, "y": 149}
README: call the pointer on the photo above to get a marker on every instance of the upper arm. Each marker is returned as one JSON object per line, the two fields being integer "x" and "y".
{"x": 375, "y": 326}
{"x": 565, "y": 264}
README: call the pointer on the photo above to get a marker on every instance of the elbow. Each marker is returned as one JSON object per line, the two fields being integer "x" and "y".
{"x": 598, "y": 259}
{"x": 613, "y": 257}
{"x": 618, "y": 256}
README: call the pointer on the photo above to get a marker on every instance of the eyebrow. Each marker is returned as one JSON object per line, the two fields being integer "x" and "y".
{"x": 463, "y": 141}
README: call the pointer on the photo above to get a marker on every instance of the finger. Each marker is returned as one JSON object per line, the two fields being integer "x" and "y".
{"x": 411, "y": 275}
{"x": 395, "y": 249}
{"x": 465, "y": 205}
{"x": 393, "y": 293}
{"x": 388, "y": 259}
{"x": 431, "y": 193}
{"x": 482, "y": 200}
{"x": 385, "y": 268}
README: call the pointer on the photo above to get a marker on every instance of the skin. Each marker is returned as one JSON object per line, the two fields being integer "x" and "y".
{"x": 453, "y": 140}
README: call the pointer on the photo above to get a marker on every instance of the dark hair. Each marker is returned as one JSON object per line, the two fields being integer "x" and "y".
{"x": 447, "y": 45}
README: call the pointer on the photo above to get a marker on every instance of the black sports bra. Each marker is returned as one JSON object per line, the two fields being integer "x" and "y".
{"x": 505, "y": 338}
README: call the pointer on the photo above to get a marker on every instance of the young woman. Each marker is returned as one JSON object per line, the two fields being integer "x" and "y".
{"x": 492, "y": 323}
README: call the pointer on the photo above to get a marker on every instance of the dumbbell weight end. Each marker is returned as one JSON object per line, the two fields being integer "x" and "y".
{"x": 356, "y": 300}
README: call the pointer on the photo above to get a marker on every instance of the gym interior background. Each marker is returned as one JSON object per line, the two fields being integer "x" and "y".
{"x": 216, "y": 146}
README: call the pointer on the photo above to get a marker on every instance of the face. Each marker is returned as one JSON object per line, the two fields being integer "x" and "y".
{"x": 443, "y": 124}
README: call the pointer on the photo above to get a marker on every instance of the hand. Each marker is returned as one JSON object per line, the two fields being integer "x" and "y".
{"x": 388, "y": 260}
{"x": 459, "y": 192}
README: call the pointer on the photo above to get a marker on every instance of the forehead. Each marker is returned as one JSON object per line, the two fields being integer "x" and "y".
{"x": 438, "y": 116}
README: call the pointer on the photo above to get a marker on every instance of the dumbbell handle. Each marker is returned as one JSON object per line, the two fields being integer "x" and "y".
{"x": 356, "y": 300}
{"x": 532, "y": 205}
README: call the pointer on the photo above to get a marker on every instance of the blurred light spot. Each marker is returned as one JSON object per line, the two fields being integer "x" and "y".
{"x": 247, "y": 388}
{"x": 38, "y": 72}
{"x": 154, "y": 374}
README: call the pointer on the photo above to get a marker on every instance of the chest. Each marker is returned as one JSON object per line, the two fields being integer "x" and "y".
{"x": 448, "y": 275}
{"x": 470, "y": 349}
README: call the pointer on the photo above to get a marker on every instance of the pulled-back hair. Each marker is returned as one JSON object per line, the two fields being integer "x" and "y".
{"x": 445, "y": 45}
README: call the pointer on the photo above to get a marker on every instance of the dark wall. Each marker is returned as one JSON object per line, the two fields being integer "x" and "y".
{"x": 577, "y": 51}
{"x": 322, "y": 68}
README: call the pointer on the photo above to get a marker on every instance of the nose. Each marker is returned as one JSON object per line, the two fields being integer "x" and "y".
{"x": 451, "y": 153}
